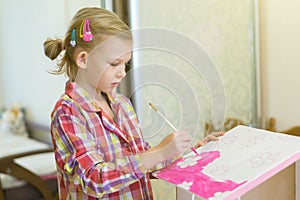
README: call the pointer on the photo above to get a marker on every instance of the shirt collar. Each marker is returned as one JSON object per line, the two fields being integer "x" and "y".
{"x": 78, "y": 94}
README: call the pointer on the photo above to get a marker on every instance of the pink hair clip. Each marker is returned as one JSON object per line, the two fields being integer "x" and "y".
{"x": 86, "y": 34}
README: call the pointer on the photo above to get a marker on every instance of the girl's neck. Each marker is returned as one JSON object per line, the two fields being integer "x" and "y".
{"x": 104, "y": 104}
{"x": 92, "y": 91}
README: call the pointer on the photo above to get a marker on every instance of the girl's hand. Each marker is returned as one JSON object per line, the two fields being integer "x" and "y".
{"x": 171, "y": 146}
{"x": 174, "y": 144}
{"x": 211, "y": 137}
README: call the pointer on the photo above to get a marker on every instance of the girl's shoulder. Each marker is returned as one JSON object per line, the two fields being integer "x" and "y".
{"x": 64, "y": 103}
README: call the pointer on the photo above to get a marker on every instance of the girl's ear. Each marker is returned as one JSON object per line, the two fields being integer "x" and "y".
{"x": 81, "y": 59}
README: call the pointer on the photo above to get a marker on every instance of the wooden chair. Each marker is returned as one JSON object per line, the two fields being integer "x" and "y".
{"x": 229, "y": 123}
{"x": 36, "y": 187}
{"x": 8, "y": 166}
{"x": 291, "y": 131}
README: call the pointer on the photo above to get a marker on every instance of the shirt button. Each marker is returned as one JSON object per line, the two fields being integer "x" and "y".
{"x": 125, "y": 144}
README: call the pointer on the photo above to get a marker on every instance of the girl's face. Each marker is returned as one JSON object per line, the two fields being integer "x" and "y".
{"x": 114, "y": 73}
{"x": 105, "y": 66}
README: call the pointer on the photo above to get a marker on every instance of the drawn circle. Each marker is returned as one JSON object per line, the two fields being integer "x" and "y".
{"x": 147, "y": 73}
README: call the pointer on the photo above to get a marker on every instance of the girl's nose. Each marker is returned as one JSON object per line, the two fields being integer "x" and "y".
{"x": 121, "y": 73}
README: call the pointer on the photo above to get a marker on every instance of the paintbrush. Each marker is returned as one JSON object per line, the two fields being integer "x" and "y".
{"x": 168, "y": 122}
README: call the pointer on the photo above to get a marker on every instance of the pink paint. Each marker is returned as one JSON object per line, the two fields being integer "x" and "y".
{"x": 200, "y": 183}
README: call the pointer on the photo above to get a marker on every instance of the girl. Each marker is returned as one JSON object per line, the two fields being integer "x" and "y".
{"x": 99, "y": 149}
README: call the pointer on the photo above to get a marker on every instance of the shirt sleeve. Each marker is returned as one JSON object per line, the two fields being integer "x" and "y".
{"x": 80, "y": 159}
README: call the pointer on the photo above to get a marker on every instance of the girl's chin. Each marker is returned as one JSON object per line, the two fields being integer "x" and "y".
{"x": 109, "y": 90}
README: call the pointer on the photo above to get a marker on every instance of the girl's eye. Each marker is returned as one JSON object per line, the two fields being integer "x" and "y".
{"x": 114, "y": 64}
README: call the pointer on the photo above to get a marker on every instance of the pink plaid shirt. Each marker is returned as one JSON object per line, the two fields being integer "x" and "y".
{"x": 96, "y": 157}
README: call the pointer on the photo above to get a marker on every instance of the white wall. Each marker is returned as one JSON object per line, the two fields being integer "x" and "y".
{"x": 24, "y": 76}
{"x": 280, "y": 51}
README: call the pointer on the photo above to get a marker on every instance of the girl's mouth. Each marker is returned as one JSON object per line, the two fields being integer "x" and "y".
{"x": 115, "y": 84}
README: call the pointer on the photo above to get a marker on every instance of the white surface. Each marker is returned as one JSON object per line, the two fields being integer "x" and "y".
{"x": 247, "y": 155}
{"x": 12, "y": 144}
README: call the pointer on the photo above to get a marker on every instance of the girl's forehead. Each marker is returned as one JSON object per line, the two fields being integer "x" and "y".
{"x": 122, "y": 58}
{"x": 113, "y": 47}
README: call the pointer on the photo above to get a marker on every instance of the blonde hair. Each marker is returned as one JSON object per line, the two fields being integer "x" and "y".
{"x": 103, "y": 23}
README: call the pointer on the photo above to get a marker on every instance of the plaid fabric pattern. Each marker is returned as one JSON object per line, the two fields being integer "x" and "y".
{"x": 96, "y": 157}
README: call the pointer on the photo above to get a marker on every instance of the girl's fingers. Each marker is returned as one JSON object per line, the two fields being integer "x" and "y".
{"x": 211, "y": 137}
{"x": 217, "y": 134}
{"x": 199, "y": 144}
